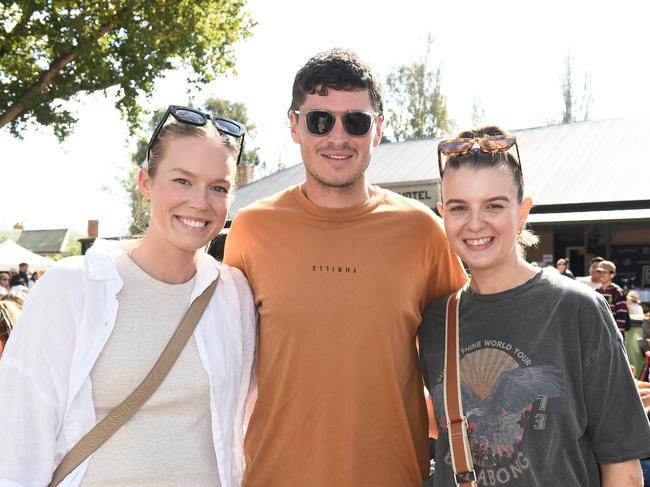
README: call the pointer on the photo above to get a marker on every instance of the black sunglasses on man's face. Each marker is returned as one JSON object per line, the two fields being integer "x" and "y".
{"x": 357, "y": 123}
{"x": 224, "y": 126}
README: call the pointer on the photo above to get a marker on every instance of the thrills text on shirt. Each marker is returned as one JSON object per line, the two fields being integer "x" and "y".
{"x": 340, "y": 269}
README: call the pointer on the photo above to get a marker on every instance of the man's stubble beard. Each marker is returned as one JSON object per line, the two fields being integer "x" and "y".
{"x": 345, "y": 186}
{"x": 337, "y": 186}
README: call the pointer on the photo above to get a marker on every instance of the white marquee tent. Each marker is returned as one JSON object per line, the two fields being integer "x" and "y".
{"x": 12, "y": 254}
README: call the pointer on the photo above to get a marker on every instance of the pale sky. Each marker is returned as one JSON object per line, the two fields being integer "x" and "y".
{"x": 510, "y": 55}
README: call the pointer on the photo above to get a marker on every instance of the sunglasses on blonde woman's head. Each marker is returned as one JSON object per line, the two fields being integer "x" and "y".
{"x": 357, "y": 123}
{"x": 224, "y": 126}
{"x": 490, "y": 144}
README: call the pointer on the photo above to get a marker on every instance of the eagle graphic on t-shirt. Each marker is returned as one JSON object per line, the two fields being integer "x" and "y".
{"x": 495, "y": 409}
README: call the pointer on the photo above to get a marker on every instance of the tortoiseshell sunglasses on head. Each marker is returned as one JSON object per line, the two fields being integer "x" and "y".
{"x": 489, "y": 144}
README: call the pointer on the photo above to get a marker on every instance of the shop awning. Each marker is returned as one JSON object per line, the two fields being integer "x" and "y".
{"x": 591, "y": 216}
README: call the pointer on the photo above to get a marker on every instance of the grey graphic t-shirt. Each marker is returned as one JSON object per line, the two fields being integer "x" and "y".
{"x": 546, "y": 387}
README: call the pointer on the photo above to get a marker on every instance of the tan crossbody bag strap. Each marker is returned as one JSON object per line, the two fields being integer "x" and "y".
{"x": 103, "y": 430}
{"x": 461, "y": 456}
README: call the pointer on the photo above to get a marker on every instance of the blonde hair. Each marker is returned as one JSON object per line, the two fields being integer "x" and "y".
{"x": 8, "y": 316}
{"x": 180, "y": 129}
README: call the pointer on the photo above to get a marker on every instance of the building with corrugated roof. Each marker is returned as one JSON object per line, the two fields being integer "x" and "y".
{"x": 590, "y": 183}
{"x": 47, "y": 242}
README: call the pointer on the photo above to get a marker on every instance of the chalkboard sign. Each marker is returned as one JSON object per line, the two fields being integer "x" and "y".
{"x": 632, "y": 264}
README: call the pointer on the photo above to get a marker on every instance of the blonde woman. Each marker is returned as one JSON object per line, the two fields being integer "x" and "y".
{"x": 93, "y": 326}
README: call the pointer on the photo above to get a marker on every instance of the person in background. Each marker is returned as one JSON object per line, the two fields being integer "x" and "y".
{"x": 341, "y": 271}
{"x": 20, "y": 287}
{"x": 21, "y": 278}
{"x": 634, "y": 336}
{"x": 34, "y": 277}
{"x": 549, "y": 267}
{"x": 5, "y": 287}
{"x": 545, "y": 385}
{"x": 9, "y": 312}
{"x": 593, "y": 279}
{"x": 94, "y": 326}
{"x": 562, "y": 265}
{"x": 613, "y": 294}
{"x": 18, "y": 298}
{"x": 634, "y": 307}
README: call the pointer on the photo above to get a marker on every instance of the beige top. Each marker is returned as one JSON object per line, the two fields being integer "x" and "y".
{"x": 169, "y": 440}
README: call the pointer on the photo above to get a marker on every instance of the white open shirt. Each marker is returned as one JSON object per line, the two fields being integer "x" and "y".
{"x": 46, "y": 402}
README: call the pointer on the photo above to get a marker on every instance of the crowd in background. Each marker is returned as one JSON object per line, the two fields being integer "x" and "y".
{"x": 14, "y": 286}
{"x": 18, "y": 280}
{"x": 632, "y": 317}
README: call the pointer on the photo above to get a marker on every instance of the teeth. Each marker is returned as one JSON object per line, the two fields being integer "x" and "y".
{"x": 192, "y": 223}
{"x": 338, "y": 157}
{"x": 478, "y": 241}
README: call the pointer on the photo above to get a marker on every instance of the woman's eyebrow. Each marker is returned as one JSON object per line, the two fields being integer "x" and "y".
{"x": 495, "y": 198}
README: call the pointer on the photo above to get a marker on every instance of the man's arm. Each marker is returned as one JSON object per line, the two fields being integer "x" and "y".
{"x": 623, "y": 474}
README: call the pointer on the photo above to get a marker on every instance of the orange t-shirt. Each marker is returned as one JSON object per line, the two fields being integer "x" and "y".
{"x": 340, "y": 294}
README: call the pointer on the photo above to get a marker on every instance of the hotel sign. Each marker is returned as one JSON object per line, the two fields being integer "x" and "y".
{"x": 429, "y": 194}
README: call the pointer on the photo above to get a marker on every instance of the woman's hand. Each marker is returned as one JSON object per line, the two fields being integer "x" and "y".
{"x": 644, "y": 390}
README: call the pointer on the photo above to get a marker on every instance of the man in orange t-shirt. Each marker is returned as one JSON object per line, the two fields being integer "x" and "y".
{"x": 341, "y": 272}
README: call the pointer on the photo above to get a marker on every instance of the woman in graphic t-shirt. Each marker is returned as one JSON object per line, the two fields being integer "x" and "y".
{"x": 546, "y": 387}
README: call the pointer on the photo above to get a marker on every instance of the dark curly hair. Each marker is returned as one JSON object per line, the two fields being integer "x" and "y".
{"x": 338, "y": 69}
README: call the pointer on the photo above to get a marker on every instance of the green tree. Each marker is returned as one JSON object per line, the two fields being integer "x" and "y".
{"x": 52, "y": 51}
{"x": 73, "y": 248}
{"x": 140, "y": 207}
{"x": 416, "y": 107}
{"x": 236, "y": 111}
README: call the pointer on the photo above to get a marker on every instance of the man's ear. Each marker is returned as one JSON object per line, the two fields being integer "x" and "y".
{"x": 294, "y": 120}
{"x": 441, "y": 209}
{"x": 379, "y": 125}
